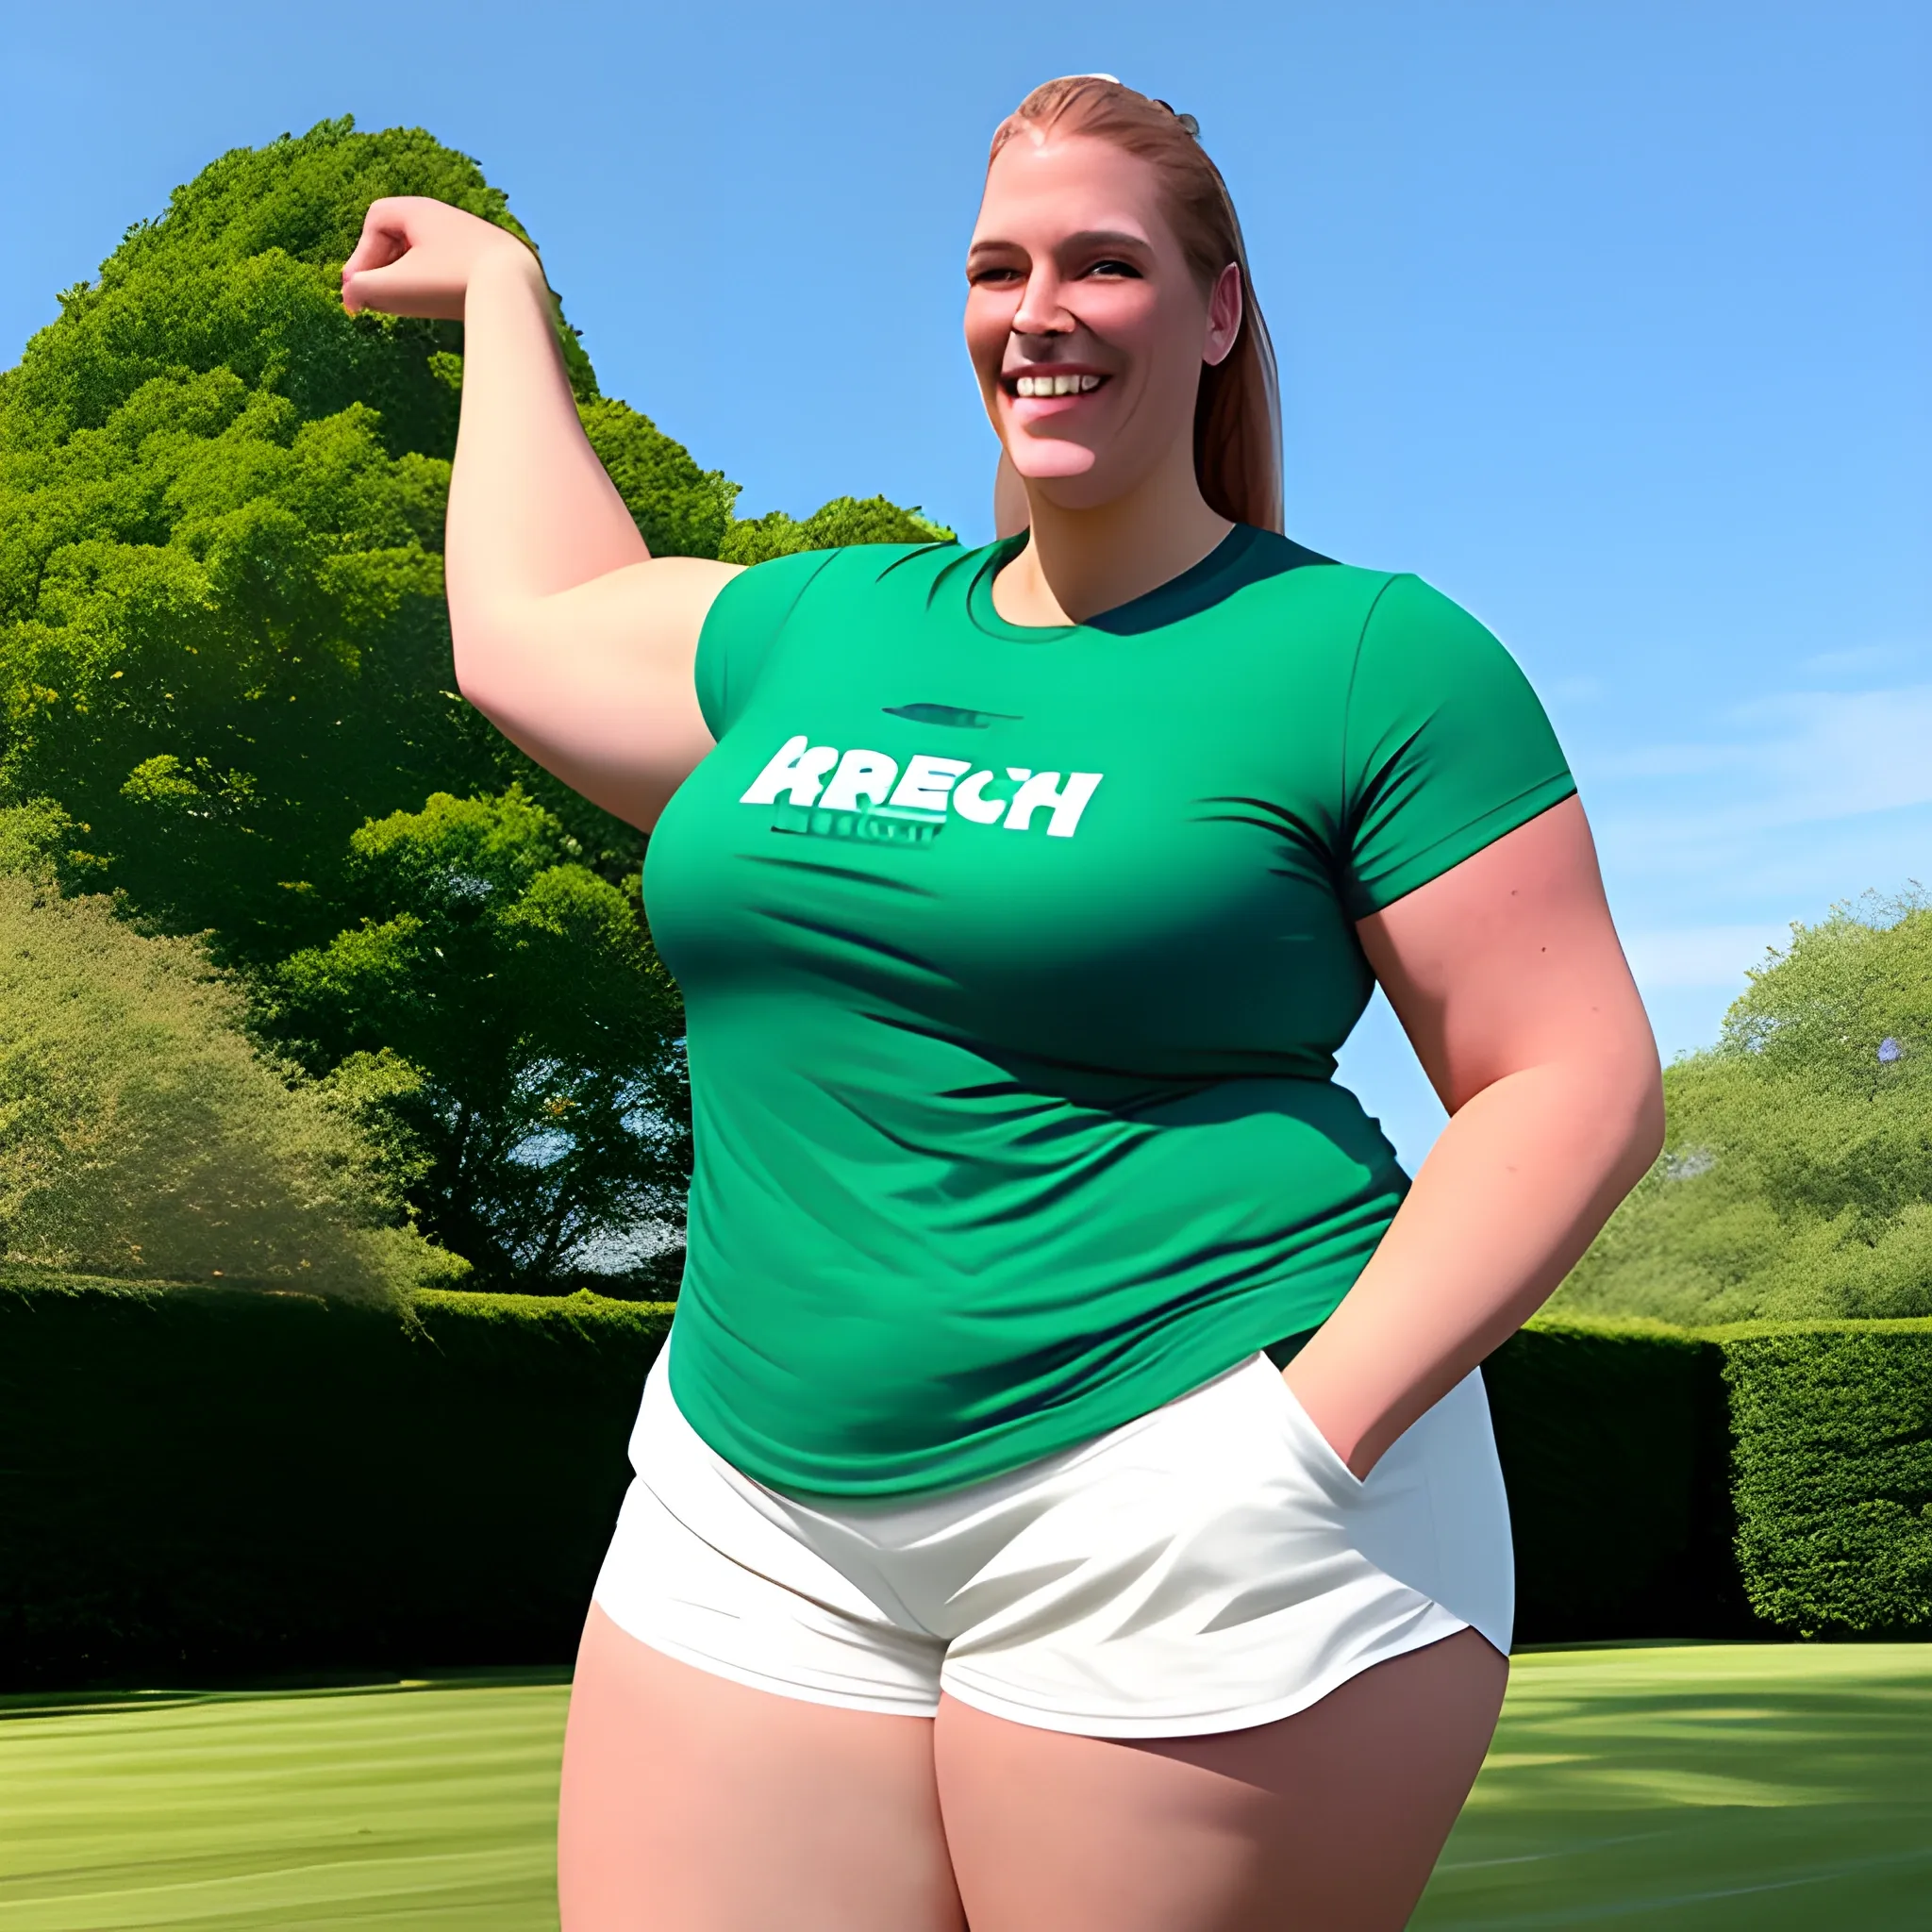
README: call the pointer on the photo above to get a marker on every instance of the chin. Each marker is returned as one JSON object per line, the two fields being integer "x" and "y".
{"x": 1055, "y": 461}
{"x": 1086, "y": 488}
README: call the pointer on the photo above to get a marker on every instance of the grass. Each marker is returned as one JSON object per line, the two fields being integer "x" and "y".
{"x": 1671, "y": 1788}
{"x": 415, "y": 1806}
{"x": 1700, "y": 1788}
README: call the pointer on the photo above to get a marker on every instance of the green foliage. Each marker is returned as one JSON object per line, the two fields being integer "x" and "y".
{"x": 527, "y": 1025}
{"x": 142, "y": 1135}
{"x": 1612, "y": 1439}
{"x": 196, "y": 1481}
{"x": 1832, "y": 1448}
{"x": 223, "y": 652}
{"x": 29, "y": 837}
{"x": 680, "y": 509}
{"x": 241, "y": 275}
{"x": 233, "y": 655}
{"x": 844, "y": 520}
{"x": 209, "y": 1480}
{"x": 223, "y": 643}
{"x": 1796, "y": 1181}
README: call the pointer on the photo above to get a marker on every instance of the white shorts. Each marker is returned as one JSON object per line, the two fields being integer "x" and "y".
{"x": 1208, "y": 1566}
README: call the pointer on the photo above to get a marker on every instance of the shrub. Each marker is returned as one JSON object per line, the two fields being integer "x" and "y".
{"x": 202, "y": 1481}
{"x": 1613, "y": 1446}
{"x": 1796, "y": 1182}
{"x": 142, "y": 1135}
{"x": 1832, "y": 1451}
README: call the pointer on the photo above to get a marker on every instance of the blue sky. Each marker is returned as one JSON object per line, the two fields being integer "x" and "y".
{"x": 1612, "y": 320}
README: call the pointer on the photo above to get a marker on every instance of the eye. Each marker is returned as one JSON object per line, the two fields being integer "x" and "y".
{"x": 979, "y": 278}
{"x": 1112, "y": 265}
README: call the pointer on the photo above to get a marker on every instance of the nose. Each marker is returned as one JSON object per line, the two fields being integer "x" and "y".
{"x": 1040, "y": 311}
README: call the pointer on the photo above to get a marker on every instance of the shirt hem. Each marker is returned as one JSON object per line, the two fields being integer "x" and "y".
{"x": 934, "y": 1471}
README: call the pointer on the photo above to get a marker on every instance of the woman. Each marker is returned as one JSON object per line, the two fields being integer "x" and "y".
{"x": 980, "y": 1566}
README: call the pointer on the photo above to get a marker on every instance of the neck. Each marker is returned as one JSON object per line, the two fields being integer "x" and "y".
{"x": 1079, "y": 562}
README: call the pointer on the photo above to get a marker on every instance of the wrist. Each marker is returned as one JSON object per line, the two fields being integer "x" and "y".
{"x": 1346, "y": 1420}
{"x": 507, "y": 266}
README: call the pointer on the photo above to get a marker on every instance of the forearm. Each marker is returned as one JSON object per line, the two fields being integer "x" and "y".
{"x": 531, "y": 511}
{"x": 1515, "y": 1189}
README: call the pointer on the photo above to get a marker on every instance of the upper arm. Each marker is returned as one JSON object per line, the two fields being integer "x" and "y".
{"x": 598, "y": 683}
{"x": 620, "y": 685}
{"x": 1509, "y": 960}
{"x": 1469, "y": 863}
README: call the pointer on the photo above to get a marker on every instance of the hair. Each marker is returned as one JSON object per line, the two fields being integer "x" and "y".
{"x": 1238, "y": 410}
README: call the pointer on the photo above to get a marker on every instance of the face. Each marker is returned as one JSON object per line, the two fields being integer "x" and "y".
{"x": 1086, "y": 326}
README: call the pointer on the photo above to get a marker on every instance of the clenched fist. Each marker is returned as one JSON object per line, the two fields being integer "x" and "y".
{"x": 417, "y": 257}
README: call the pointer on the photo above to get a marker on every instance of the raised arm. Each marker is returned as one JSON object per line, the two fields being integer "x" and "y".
{"x": 570, "y": 637}
{"x": 1507, "y": 976}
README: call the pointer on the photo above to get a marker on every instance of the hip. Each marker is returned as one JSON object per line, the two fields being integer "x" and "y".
{"x": 1208, "y": 1565}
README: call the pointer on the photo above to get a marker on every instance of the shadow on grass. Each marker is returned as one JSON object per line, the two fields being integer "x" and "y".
{"x": 1701, "y": 1789}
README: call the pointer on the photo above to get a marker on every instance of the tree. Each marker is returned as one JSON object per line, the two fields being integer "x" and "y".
{"x": 231, "y": 654}
{"x": 143, "y": 1134}
{"x": 222, "y": 644}
{"x": 542, "y": 1123}
{"x": 1796, "y": 1178}
{"x": 844, "y": 520}
{"x": 223, "y": 648}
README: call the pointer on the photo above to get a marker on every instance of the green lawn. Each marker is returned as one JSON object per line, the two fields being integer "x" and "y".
{"x": 1703, "y": 1788}
{"x": 409, "y": 1805}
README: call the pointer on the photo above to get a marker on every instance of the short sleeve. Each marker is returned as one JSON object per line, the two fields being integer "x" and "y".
{"x": 740, "y": 627}
{"x": 1445, "y": 746}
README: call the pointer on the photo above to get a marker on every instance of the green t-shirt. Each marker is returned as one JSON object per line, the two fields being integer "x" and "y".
{"x": 1015, "y": 962}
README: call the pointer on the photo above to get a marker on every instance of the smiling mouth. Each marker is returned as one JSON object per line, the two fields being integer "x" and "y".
{"x": 1057, "y": 384}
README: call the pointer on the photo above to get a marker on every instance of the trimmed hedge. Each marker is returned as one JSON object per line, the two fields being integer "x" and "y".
{"x": 205, "y": 1482}
{"x": 198, "y": 1482}
{"x": 1613, "y": 1441}
{"x": 1831, "y": 1427}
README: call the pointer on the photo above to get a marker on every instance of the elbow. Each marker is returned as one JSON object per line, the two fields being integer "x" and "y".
{"x": 1647, "y": 1141}
{"x": 468, "y": 682}
{"x": 1644, "y": 1132}
{"x": 1637, "y": 1083}
{"x": 496, "y": 654}
{"x": 473, "y": 661}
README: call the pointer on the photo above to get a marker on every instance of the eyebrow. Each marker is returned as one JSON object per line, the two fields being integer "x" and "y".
{"x": 1087, "y": 238}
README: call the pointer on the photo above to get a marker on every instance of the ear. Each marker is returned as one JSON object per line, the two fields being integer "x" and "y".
{"x": 1225, "y": 309}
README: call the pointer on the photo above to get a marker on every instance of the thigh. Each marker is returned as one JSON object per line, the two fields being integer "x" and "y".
{"x": 693, "y": 1804}
{"x": 1329, "y": 1821}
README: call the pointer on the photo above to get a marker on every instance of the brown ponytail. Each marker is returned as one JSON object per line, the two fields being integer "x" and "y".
{"x": 1237, "y": 415}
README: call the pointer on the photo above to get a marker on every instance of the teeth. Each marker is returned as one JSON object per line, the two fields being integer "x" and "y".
{"x": 1055, "y": 385}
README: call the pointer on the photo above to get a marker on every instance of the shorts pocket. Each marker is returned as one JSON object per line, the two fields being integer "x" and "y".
{"x": 1318, "y": 1453}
